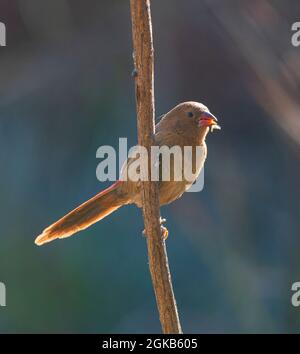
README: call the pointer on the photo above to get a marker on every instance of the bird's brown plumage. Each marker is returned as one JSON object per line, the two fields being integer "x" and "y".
{"x": 185, "y": 125}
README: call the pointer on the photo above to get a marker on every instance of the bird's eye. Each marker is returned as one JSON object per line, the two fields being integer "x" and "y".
{"x": 190, "y": 114}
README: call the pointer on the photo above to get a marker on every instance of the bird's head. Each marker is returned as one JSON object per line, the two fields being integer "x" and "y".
{"x": 191, "y": 119}
{"x": 197, "y": 115}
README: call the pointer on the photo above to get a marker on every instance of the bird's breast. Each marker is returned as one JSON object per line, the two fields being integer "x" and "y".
{"x": 177, "y": 169}
{"x": 183, "y": 173}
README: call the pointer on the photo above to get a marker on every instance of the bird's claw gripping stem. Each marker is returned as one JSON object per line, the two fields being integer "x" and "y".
{"x": 164, "y": 231}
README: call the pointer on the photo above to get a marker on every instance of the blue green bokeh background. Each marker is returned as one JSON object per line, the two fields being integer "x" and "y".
{"x": 66, "y": 88}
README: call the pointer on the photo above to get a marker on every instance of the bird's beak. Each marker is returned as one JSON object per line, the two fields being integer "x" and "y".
{"x": 207, "y": 119}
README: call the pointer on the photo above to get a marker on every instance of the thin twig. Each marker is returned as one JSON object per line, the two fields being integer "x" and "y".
{"x": 144, "y": 84}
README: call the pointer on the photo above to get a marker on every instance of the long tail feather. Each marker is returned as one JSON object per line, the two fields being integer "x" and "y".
{"x": 85, "y": 215}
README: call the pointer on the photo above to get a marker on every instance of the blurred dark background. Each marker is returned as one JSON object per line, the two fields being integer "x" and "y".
{"x": 66, "y": 88}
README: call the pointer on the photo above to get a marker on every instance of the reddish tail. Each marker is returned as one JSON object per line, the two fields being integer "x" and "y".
{"x": 85, "y": 215}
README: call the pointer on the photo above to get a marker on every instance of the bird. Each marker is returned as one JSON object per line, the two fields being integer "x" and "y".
{"x": 187, "y": 124}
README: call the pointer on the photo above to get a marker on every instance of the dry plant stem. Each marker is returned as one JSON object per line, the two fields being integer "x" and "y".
{"x": 144, "y": 85}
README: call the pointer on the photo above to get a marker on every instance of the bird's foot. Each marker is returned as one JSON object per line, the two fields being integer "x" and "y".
{"x": 164, "y": 231}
